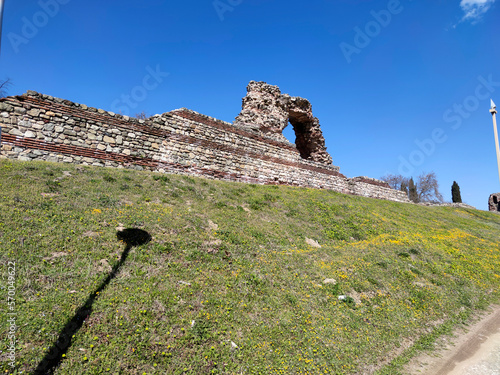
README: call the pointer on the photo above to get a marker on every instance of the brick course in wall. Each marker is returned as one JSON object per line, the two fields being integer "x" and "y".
{"x": 40, "y": 127}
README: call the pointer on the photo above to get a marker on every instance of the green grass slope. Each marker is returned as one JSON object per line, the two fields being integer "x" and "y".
{"x": 229, "y": 283}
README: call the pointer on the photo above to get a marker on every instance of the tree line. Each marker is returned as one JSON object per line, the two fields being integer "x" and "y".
{"x": 424, "y": 189}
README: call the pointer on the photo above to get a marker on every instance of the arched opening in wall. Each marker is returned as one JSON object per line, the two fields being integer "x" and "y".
{"x": 289, "y": 133}
{"x": 302, "y": 125}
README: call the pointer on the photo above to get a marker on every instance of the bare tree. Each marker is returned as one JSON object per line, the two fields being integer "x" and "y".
{"x": 4, "y": 85}
{"x": 142, "y": 116}
{"x": 395, "y": 181}
{"x": 428, "y": 188}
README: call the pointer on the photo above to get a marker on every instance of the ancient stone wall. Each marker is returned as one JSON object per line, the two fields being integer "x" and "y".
{"x": 266, "y": 111}
{"x": 40, "y": 127}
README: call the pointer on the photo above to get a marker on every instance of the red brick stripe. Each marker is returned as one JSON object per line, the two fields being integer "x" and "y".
{"x": 75, "y": 150}
{"x": 230, "y": 129}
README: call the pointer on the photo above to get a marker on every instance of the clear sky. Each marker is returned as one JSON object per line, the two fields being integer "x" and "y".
{"x": 398, "y": 86}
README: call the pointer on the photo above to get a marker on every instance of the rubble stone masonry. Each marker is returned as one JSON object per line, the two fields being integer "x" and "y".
{"x": 41, "y": 127}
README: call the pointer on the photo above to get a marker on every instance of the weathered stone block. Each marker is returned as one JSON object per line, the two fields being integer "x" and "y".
{"x": 69, "y": 132}
{"x": 108, "y": 139}
{"x": 34, "y": 112}
{"x": 16, "y": 132}
{"x": 20, "y": 110}
{"x": 6, "y": 107}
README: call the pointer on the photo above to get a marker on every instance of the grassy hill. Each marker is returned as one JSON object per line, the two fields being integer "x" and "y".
{"x": 231, "y": 282}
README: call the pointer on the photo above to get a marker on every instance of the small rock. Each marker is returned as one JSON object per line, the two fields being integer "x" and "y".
{"x": 104, "y": 265}
{"x": 330, "y": 281}
{"x": 55, "y": 255}
{"x": 312, "y": 242}
{"x": 212, "y": 225}
{"x": 91, "y": 234}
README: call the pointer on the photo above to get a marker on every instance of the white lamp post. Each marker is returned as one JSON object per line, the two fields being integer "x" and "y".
{"x": 493, "y": 111}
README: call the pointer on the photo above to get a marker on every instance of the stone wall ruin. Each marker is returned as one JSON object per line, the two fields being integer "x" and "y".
{"x": 266, "y": 111}
{"x": 494, "y": 203}
{"x": 253, "y": 150}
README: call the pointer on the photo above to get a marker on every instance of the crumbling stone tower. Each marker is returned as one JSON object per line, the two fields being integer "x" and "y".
{"x": 266, "y": 111}
{"x": 494, "y": 203}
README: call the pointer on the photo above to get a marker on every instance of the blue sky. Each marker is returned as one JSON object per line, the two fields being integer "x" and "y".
{"x": 398, "y": 86}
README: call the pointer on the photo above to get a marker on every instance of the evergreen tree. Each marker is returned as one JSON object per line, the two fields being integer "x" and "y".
{"x": 404, "y": 187}
{"x": 412, "y": 191}
{"x": 455, "y": 193}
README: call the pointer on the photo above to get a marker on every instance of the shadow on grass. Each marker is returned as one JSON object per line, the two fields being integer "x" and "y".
{"x": 132, "y": 237}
